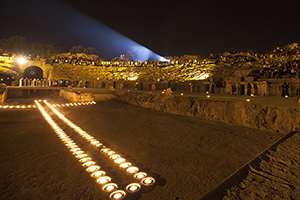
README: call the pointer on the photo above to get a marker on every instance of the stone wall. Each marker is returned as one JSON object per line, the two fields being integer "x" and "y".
{"x": 76, "y": 97}
{"x": 240, "y": 113}
{"x": 47, "y": 68}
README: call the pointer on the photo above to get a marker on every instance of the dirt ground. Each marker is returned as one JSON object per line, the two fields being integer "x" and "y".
{"x": 274, "y": 177}
{"x": 187, "y": 156}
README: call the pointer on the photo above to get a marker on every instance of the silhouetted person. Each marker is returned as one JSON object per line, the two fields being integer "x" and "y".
{"x": 285, "y": 89}
{"x": 249, "y": 89}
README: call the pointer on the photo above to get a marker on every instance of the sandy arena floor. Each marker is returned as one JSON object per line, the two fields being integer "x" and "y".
{"x": 187, "y": 157}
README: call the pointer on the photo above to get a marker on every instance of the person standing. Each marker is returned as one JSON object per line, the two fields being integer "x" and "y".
{"x": 21, "y": 82}
{"x": 285, "y": 90}
{"x": 33, "y": 82}
{"x": 249, "y": 87}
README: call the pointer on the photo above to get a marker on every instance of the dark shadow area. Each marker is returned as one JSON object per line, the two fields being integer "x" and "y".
{"x": 31, "y": 92}
{"x": 33, "y": 72}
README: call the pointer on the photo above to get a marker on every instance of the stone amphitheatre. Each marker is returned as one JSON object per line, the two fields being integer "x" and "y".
{"x": 229, "y": 128}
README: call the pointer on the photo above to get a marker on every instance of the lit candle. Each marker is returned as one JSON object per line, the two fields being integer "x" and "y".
{"x": 117, "y": 195}
{"x": 133, "y": 187}
{"x": 132, "y": 170}
{"x": 103, "y": 180}
{"x": 148, "y": 181}
{"x": 109, "y": 187}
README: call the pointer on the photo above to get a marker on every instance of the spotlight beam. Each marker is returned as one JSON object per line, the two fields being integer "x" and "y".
{"x": 73, "y": 27}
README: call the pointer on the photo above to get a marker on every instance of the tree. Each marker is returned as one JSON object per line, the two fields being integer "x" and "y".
{"x": 36, "y": 49}
{"x": 81, "y": 49}
{"x": 92, "y": 50}
{"x": 44, "y": 51}
{"x": 57, "y": 50}
{"x": 77, "y": 49}
{"x": 50, "y": 50}
{"x": 15, "y": 44}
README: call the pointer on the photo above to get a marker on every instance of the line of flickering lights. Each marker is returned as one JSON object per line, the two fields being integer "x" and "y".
{"x": 90, "y": 165}
{"x": 54, "y": 105}
{"x": 208, "y": 96}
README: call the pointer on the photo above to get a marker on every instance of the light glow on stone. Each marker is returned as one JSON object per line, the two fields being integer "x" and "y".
{"x": 97, "y": 174}
{"x": 114, "y": 156}
{"x": 85, "y": 159}
{"x": 92, "y": 168}
{"x": 81, "y": 156}
{"x": 103, "y": 179}
{"x": 110, "y": 153}
{"x": 133, "y": 187}
{"x": 88, "y": 163}
{"x": 70, "y": 143}
{"x": 132, "y": 170}
{"x": 125, "y": 164}
{"x": 105, "y": 150}
{"x": 148, "y": 181}
{"x": 119, "y": 160}
{"x": 73, "y": 146}
{"x": 117, "y": 195}
{"x": 75, "y": 149}
{"x": 109, "y": 187}
{"x": 98, "y": 144}
{"x": 78, "y": 152}
{"x": 140, "y": 175}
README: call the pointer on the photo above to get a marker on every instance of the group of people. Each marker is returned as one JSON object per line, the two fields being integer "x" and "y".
{"x": 288, "y": 69}
{"x": 75, "y": 61}
{"x": 235, "y": 59}
{"x": 36, "y": 82}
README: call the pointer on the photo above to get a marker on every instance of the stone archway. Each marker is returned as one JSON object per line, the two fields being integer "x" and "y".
{"x": 33, "y": 72}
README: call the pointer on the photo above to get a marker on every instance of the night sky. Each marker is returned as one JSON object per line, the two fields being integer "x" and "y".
{"x": 165, "y": 27}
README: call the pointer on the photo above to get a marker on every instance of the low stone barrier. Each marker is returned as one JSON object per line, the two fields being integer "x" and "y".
{"x": 102, "y": 97}
{"x": 76, "y": 97}
{"x": 240, "y": 113}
